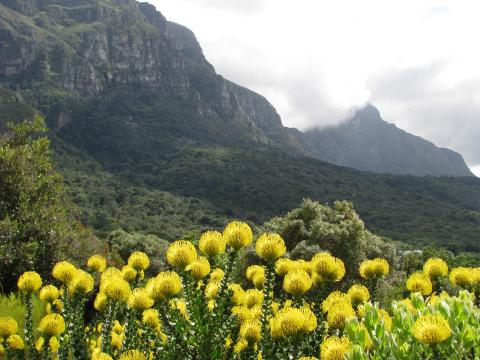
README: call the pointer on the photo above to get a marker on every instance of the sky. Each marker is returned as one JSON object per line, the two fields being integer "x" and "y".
{"x": 417, "y": 61}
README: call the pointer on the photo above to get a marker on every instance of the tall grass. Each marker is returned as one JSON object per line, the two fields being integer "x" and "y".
{"x": 11, "y": 305}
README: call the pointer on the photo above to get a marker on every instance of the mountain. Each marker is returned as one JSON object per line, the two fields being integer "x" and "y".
{"x": 150, "y": 138}
{"x": 367, "y": 142}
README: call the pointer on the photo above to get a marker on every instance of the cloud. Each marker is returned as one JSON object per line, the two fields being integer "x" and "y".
{"x": 244, "y": 6}
{"x": 316, "y": 60}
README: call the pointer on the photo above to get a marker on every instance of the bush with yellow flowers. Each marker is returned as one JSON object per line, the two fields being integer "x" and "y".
{"x": 291, "y": 309}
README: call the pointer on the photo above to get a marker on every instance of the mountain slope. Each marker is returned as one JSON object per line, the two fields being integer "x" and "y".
{"x": 366, "y": 142}
{"x": 133, "y": 104}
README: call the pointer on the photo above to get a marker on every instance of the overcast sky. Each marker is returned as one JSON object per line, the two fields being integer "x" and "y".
{"x": 418, "y": 61}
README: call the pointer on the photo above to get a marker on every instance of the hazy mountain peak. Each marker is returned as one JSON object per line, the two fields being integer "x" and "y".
{"x": 367, "y": 142}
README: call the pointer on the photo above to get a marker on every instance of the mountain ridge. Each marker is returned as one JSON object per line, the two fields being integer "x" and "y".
{"x": 158, "y": 118}
{"x": 367, "y": 142}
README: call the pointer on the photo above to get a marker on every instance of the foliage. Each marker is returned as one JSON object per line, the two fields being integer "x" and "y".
{"x": 35, "y": 221}
{"x": 374, "y": 336}
{"x": 124, "y": 244}
{"x": 337, "y": 229}
{"x": 194, "y": 310}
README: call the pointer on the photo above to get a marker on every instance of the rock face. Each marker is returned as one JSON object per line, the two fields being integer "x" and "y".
{"x": 89, "y": 47}
{"x": 367, "y": 142}
{"x": 64, "y": 56}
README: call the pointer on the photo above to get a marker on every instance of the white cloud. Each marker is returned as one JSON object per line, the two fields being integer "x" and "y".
{"x": 476, "y": 170}
{"x": 316, "y": 59}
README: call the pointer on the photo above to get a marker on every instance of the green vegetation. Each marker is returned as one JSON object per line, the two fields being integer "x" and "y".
{"x": 35, "y": 222}
{"x": 13, "y": 306}
{"x": 196, "y": 310}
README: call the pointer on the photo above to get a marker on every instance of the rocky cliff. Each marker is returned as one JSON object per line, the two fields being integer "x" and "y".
{"x": 69, "y": 58}
{"x": 89, "y": 47}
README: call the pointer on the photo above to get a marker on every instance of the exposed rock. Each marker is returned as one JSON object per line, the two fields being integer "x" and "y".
{"x": 85, "y": 49}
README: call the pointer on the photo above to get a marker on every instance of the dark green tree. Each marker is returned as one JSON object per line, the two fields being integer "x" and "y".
{"x": 36, "y": 224}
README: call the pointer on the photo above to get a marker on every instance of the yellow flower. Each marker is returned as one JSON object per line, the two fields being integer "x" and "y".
{"x": 409, "y": 305}
{"x": 110, "y": 273}
{"x": 243, "y": 313}
{"x": 435, "y": 299}
{"x": 133, "y": 355}
{"x": 238, "y": 234}
{"x": 117, "y": 340}
{"x": 240, "y": 346}
{"x": 128, "y": 273}
{"x": 211, "y": 305}
{"x": 256, "y": 274}
{"x": 56, "y": 306}
{"x": 49, "y": 293}
{"x": 329, "y": 268}
{"x": 306, "y": 266}
{"x": 307, "y": 358}
{"x": 64, "y": 272}
{"x": 334, "y": 298}
{"x": 166, "y": 284}
{"x": 181, "y": 253}
{"x": 251, "y": 330}
{"x": 461, "y": 276}
{"x": 387, "y": 320}
{"x": 253, "y": 297}
{"x": 81, "y": 283}
{"x": 100, "y": 301}
{"x": 476, "y": 277}
{"x": 283, "y": 266}
{"x": 372, "y": 269}
{"x": 338, "y": 313}
{"x": 52, "y": 325}
{"x": 217, "y": 275}
{"x": 151, "y": 318}
{"x": 117, "y": 289}
{"x": 431, "y": 329}
{"x": 435, "y": 268}
{"x": 8, "y": 326}
{"x": 211, "y": 290}
{"x": 97, "y": 263}
{"x": 252, "y": 270}
{"x": 334, "y": 348}
{"x": 139, "y": 261}
{"x": 118, "y": 328}
{"x": 29, "y": 282}
{"x": 238, "y": 294}
{"x": 181, "y": 306}
{"x": 101, "y": 356}
{"x": 292, "y": 322}
{"x": 259, "y": 280}
{"x": 140, "y": 300}
{"x": 54, "y": 344}
{"x": 419, "y": 282}
{"x": 212, "y": 243}
{"x": 39, "y": 344}
{"x": 358, "y": 294}
{"x": 270, "y": 246}
{"x": 297, "y": 282}
{"x": 199, "y": 268}
{"x": 15, "y": 342}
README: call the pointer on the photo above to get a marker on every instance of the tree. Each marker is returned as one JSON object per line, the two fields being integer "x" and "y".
{"x": 124, "y": 244}
{"x": 337, "y": 229}
{"x": 36, "y": 221}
